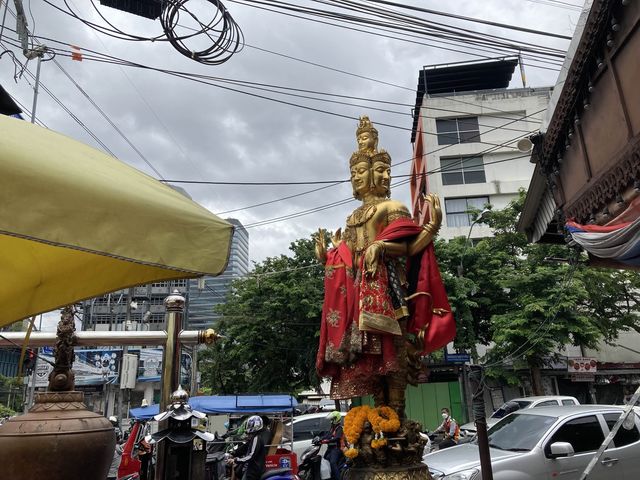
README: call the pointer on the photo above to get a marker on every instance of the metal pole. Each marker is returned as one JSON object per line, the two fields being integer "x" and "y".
{"x": 194, "y": 371}
{"x": 35, "y": 89}
{"x": 475, "y": 377}
{"x": 4, "y": 17}
{"x": 170, "y": 368}
{"x": 125, "y": 349}
{"x": 89, "y": 338}
{"x": 171, "y": 355}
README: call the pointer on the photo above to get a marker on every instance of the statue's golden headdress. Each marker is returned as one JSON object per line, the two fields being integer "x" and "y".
{"x": 366, "y": 126}
{"x": 371, "y": 154}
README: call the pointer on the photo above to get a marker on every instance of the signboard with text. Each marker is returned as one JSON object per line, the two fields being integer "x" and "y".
{"x": 582, "y": 365}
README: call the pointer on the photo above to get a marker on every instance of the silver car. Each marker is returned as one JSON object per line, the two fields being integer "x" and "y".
{"x": 548, "y": 443}
{"x": 469, "y": 429}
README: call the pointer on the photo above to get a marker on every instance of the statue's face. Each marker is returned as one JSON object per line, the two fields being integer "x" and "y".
{"x": 360, "y": 177}
{"x": 366, "y": 142}
{"x": 381, "y": 178}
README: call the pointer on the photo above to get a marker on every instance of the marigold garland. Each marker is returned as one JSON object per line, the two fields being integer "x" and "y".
{"x": 378, "y": 443}
{"x": 382, "y": 420}
{"x": 351, "y": 452}
{"x": 354, "y": 423}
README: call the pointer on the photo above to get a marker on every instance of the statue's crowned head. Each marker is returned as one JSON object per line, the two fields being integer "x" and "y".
{"x": 369, "y": 158}
{"x": 367, "y": 136}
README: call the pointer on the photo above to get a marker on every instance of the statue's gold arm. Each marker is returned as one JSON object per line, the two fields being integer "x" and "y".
{"x": 401, "y": 249}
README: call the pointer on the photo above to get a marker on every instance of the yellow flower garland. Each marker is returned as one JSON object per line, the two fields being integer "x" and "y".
{"x": 354, "y": 423}
{"x": 382, "y": 420}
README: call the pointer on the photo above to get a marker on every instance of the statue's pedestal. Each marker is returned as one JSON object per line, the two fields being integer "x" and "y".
{"x": 405, "y": 472}
{"x": 59, "y": 439}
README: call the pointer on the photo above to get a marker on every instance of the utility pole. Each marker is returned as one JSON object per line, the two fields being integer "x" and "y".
{"x": 37, "y": 52}
{"x": 125, "y": 349}
{"x": 477, "y": 386}
{"x": 475, "y": 378}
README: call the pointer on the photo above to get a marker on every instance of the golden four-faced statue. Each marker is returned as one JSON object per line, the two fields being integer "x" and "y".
{"x": 384, "y": 308}
{"x": 385, "y": 304}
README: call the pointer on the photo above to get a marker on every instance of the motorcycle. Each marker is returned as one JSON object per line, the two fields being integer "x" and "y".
{"x": 310, "y": 461}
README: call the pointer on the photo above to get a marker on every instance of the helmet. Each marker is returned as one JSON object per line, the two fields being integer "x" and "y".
{"x": 254, "y": 424}
{"x": 335, "y": 417}
{"x": 113, "y": 419}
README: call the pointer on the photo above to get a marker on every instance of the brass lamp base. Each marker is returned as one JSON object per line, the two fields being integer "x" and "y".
{"x": 59, "y": 439}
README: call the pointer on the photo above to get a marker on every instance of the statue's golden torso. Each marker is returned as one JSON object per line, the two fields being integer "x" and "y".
{"x": 367, "y": 221}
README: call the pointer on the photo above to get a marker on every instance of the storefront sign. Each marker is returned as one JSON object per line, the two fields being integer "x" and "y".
{"x": 581, "y": 365}
{"x": 583, "y": 377}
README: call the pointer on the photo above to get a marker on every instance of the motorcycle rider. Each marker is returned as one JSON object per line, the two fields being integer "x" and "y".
{"x": 450, "y": 428}
{"x": 253, "y": 460}
{"x": 334, "y": 441}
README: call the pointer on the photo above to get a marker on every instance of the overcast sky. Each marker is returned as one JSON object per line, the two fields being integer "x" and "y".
{"x": 190, "y": 131}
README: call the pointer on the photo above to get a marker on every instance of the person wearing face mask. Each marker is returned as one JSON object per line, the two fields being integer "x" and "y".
{"x": 450, "y": 428}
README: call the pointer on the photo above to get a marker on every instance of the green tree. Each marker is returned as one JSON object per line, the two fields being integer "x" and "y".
{"x": 530, "y": 300}
{"x": 271, "y": 320}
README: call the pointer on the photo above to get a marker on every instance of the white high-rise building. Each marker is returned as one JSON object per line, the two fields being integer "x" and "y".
{"x": 466, "y": 128}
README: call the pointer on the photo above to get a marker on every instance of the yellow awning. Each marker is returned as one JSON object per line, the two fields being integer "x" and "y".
{"x": 76, "y": 223}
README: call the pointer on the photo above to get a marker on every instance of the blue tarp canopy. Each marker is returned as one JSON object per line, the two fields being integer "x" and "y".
{"x": 239, "y": 404}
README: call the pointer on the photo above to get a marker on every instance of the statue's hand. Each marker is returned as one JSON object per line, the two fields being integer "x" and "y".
{"x": 435, "y": 210}
{"x": 372, "y": 256}
{"x": 321, "y": 245}
{"x": 336, "y": 238}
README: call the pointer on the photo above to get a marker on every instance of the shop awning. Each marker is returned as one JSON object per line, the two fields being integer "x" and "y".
{"x": 76, "y": 223}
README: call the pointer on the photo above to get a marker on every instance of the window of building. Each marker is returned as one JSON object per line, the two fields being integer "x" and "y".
{"x": 462, "y": 170}
{"x": 457, "y": 130}
{"x": 459, "y": 210}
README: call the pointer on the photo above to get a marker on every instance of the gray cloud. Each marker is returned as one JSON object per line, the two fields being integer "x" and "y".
{"x": 193, "y": 131}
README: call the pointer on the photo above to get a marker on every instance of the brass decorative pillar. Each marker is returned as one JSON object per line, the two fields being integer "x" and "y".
{"x": 174, "y": 304}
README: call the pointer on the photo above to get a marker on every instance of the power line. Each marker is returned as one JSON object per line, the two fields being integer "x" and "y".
{"x": 108, "y": 119}
{"x": 68, "y": 111}
{"x": 249, "y": 84}
{"x": 412, "y": 24}
{"x": 348, "y": 200}
{"x": 474, "y": 20}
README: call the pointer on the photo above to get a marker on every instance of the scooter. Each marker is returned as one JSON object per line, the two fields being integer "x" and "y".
{"x": 310, "y": 461}
{"x": 311, "y": 467}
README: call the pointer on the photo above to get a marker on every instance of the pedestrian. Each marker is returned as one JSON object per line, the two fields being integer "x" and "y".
{"x": 334, "y": 441}
{"x": 253, "y": 461}
{"x": 450, "y": 428}
{"x": 115, "y": 462}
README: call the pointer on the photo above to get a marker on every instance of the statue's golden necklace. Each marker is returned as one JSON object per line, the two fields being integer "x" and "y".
{"x": 356, "y": 233}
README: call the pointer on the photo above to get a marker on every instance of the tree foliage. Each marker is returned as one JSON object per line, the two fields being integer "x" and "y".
{"x": 272, "y": 320}
{"x": 530, "y": 300}
{"x": 525, "y": 301}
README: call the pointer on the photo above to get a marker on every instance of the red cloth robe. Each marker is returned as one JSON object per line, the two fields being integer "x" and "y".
{"x": 354, "y": 359}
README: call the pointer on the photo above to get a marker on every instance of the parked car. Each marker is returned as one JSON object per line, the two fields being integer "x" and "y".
{"x": 548, "y": 443}
{"x": 469, "y": 429}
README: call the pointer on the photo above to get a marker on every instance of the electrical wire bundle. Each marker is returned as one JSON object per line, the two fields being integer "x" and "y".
{"x": 222, "y": 30}
{"x": 380, "y": 20}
